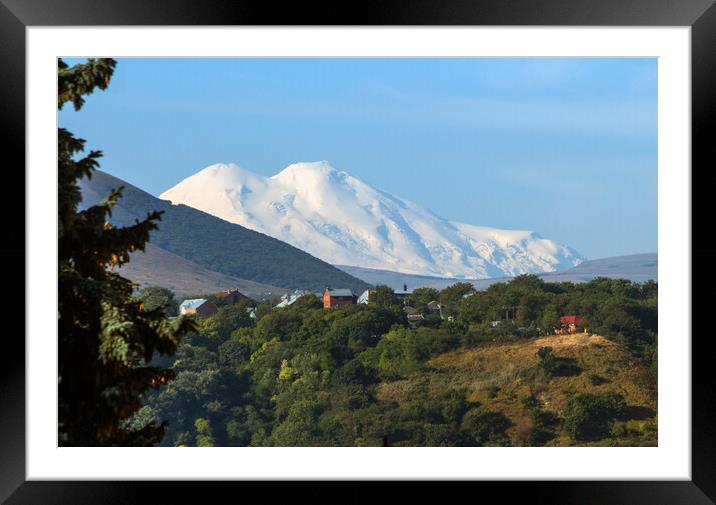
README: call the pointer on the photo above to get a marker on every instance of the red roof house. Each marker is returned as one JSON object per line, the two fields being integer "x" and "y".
{"x": 570, "y": 323}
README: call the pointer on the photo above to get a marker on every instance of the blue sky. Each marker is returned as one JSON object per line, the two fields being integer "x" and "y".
{"x": 566, "y": 147}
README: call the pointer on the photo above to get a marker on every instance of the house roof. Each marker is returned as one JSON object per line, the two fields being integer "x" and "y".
{"x": 194, "y": 303}
{"x": 340, "y": 292}
{"x": 230, "y": 292}
{"x": 291, "y": 298}
{"x": 570, "y": 319}
{"x": 364, "y": 297}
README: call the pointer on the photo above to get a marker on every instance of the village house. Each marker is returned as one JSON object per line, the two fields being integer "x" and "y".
{"x": 404, "y": 295}
{"x": 231, "y": 296}
{"x": 569, "y": 324}
{"x": 410, "y": 310}
{"x": 337, "y": 298}
{"x": 365, "y": 296}
{"x": 413, "y": 315}
{"x": 197, "y": 307}
{"x": 289, "y": 299}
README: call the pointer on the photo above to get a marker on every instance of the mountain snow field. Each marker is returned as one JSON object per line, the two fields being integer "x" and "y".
{"x": 344, "y": 221}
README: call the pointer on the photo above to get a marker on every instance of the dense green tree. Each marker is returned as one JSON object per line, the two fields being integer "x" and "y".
{"x": 265, "y": 307}
{"x": 364, "y": 328}
{"x": 234, "y": 353}
{"x": 157, "y": 297}
{"x": 204, "y": 436}
{"x": 281, "y": 324}
{"x": 454, "y": 293}
{"x": 230, "y": 317}
{"x": 420, "y": 297}
{"x": 307, "y": 302}
{"x": 107, "y": 337}
{"x": 383, "y": 296}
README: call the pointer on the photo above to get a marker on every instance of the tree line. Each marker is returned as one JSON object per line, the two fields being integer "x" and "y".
{"x": 307, "y": 376}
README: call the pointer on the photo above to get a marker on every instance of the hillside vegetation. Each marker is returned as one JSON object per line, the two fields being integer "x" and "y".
{"x": 217, "y": 245}
{"x": 365, "y": 375}
{"x": 507, "y": 378}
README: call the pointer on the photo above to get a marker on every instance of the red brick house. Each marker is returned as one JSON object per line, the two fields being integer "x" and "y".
{"x": 569, "y": 323}
{"x": 337, "y": 298}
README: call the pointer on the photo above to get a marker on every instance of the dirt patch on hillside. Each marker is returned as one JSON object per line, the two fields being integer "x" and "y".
{"x": 575, "y": 340}
{"x": 525, "y": 349}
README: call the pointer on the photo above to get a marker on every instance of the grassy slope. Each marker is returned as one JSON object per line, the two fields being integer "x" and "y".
{"x": 157, "y": 267}
{"x": 506, "y": 365}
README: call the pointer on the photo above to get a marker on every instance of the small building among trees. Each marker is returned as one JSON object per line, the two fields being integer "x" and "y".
{"x": 231, "y": 296}
{"x": 365, "y": 296}
{"x": 337, "y": 298}
{"x": 289, "y": 299}
{"x": 569, "y": 324}
{"x": 197, "y": 307}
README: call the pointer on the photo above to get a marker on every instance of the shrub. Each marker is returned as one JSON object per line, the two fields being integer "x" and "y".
{"x": 485, "y": 427}
{"x": 589, "y": 417}
{"x": 548, "y": 362}
{"x": 543, "y": 427}
{"x": 597, "y": 380}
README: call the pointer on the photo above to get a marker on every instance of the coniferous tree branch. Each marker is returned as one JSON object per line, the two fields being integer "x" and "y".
{"x": 107, "y": 340}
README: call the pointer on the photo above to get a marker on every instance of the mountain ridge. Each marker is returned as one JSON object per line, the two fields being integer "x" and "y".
{"x": 157, "y": 267}
{"x": 217, "y": 245}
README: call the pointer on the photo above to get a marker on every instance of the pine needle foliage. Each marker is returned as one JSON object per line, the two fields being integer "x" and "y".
{"x": 106, "y": 337}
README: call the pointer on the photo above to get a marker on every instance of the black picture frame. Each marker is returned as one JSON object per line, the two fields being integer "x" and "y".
{"x": 16, "y": 15}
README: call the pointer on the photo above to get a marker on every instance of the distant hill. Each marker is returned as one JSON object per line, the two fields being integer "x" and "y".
{"x": 216, "y": 245}
{"x": 157, "y": 267}
{"x": 635, "y": 267}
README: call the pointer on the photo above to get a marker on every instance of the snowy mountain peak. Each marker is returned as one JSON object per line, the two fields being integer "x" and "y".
{"x": 342, "y": 220}
{"x": 312, "y": 177}
{"x": 222, "y": 174}
{"x": 220, "y": 170}
{"x": 323, "y": 168}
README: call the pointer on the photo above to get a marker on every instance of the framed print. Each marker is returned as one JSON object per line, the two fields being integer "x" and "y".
{"x": 291, "y": 247}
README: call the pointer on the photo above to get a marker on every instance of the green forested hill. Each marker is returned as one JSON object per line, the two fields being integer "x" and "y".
{"x": 363, "y": 375}
{"x": 218, "y": 245}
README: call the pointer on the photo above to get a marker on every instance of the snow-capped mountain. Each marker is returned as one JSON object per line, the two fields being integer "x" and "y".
{"x": 344, "y": 221}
